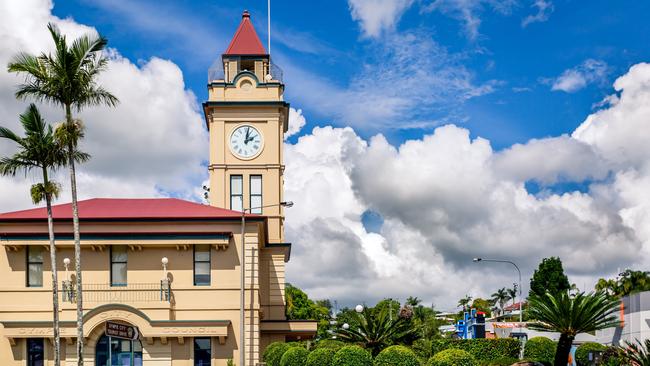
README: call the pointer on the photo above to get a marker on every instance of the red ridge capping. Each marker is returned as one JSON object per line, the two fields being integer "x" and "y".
{"x": 128, "y": 208}
{"x": 245, "y": 42}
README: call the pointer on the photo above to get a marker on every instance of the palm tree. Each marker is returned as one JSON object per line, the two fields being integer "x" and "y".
{"x": 67, "y": 78}
{"x": 638, "y": 353}
{"x": 375, "y": 330}
{"x": 501, "y": 297}
{"x": 512, "y": 294}
{"x": 571, "y": 315}
{"x": 464, "y": 302}
{"x": 39, "y": 150}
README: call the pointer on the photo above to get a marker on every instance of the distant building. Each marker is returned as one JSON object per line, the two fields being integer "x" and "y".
{"x": 187, "y": 312}
{"x": 635, "y": 318}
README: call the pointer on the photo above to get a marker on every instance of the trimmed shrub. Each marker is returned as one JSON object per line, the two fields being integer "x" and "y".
{"x": 482, "y": 349}
{"x": 540, "y": 349}
{"x": 396, "y": 356}
{"x": 294, "y": 356}
{"x": 320, "y": 357}
{"x": 352, "y": 356}
{"x": 582, "y": 353}
{"x": 331, "y": 344}
{"x": 273, "y": 353}
{"x": 452, "y": 357}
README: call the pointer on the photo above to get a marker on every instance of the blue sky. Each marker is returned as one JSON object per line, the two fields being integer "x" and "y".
{"x": 517, "y": 62}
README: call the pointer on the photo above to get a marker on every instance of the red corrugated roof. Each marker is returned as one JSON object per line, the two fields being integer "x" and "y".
{"x": 246, "y": 41}
{"x": 127, "y": 208}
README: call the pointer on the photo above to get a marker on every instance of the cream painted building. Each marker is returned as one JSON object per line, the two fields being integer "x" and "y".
{"x": 186, "y": 312}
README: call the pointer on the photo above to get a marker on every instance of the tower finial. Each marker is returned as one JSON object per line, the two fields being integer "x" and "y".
{"x": 246, "y": 14}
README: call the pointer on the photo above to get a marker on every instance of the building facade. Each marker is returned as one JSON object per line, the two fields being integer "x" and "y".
{"x": 168, "y": 269}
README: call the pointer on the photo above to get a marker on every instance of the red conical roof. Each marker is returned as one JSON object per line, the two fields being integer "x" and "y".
{"x": 245, "y": 42}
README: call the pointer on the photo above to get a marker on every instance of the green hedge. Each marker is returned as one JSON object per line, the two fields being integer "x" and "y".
{"x": 423, "y": 349}
{"x": 331, "y": 344}
{"x": 352, "y": 356}
{"x": 452, "y": 357}
{"x": 294, "y": 356}
{"x": 320, "y": 357}
{"x": 540, "y": 349}
{"x": 396, "y": 356}
{"x": 273, "y": 353}
{"x": 506, "y": 361}
{"x": 482, "y": 349}
{"x": 582, "y": 353}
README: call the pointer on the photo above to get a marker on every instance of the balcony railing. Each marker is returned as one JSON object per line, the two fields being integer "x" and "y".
{"x": 105, "y": 293}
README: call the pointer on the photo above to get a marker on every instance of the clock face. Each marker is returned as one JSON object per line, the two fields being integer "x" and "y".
{"x": 246, "y": 142}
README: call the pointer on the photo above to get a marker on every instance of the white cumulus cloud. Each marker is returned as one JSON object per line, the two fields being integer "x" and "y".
{"x": 377, "y": 16}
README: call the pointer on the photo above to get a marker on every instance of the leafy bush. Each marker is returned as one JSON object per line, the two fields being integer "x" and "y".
{"x": 506, "y": 361}
{"x": 320, "y": 357}
{"x": 612, "y": 356}
{"x": 294, "y": 356}
{"x": 352, "y": 356}
{"x": 540, "y": 349}
{"x": 482, "y": 349}
{"x": 331, "y": 344}
{"x": 396, "y": 356}
{"x": 582, "y": 353}
{"x": 273, "y": 353}
{"x": 452, "y": 357}
{"x": 422, "y": 349}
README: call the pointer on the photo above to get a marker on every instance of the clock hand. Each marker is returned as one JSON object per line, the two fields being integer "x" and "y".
{"x": 248, "y": 131}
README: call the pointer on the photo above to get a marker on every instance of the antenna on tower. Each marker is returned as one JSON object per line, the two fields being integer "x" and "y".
{"x": 269, "y": 25}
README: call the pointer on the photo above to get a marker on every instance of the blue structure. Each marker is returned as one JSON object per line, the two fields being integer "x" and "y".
{"x": 471, "y": 326}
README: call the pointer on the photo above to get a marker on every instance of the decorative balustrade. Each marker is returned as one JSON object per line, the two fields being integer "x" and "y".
{"x": 105, "y": 293}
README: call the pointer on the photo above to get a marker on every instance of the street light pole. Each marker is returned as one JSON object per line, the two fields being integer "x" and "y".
{"x": 242, "y": 291}
{"x": 476, "y": 260}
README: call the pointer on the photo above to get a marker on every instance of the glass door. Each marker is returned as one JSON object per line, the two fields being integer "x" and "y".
{"x": 118, "y": 352}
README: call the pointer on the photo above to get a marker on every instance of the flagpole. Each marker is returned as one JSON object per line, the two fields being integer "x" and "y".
{"x": 269, "y": 25}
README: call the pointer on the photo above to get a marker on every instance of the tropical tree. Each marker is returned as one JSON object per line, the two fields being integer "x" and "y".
{"x": 549, "y": 277}
{"x": 626, "y": 283}
{"x": 637, "y": 353}
{"x": 38, "y": 150}
{"x": 571, "y": 315}
{"x": 512, "y": 294}
{"x": 67, "y": 78}
{"x": 375, "y": 330}
{"x": 500, "y": 298}
{"x": 464, "y": 302}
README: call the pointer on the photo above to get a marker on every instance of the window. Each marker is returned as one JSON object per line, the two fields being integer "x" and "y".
{"x": 247, "y": 65}
{"x": 35, "y": 352}
{"x": 34, "y": 266}
{"x": 202, "y": 265}
{"x": 202, "y": 352}
{"x": 256, "y": 194}
{"x": 118, "y": 352}
{"x": 236, "y": 193}
{"x": 118, "y": 265}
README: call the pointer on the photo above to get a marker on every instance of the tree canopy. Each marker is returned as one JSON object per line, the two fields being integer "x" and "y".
{"x": 549, "y": 277}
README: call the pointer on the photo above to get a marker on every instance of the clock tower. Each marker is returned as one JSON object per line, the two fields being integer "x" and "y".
{"x": 247, "y": 117}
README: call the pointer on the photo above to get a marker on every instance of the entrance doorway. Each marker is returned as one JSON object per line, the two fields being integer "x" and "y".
{"x": 118, "y": 352}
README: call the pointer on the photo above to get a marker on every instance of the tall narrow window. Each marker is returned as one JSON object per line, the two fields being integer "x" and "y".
{"x": 256, "y": 194}
{"x": 119, "y": 256}
{"x": 35, "y": 354}
{"x": 34, "y": 266}
{"x": 202, "y": 265}
{"x": 236, "y": 192}
{"x": 202, "y": 351}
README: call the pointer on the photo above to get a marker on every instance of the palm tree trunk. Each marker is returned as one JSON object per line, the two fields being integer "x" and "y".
{"x": 563, "y": 350}
{"x": 55, "y": 280}
{"x": 77, "y": 244}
